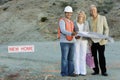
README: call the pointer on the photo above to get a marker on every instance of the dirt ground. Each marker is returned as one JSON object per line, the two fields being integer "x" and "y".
{"x": 44, "y": 63}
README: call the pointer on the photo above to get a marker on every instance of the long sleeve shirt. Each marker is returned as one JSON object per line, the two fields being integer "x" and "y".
{"x": 64, "y": 32}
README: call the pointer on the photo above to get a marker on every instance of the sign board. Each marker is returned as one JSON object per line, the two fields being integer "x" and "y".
{"x": 21, "y": 48}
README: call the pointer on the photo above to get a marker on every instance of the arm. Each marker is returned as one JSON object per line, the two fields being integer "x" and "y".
{"x": 106, "y": 28}
{"x": 76, "y": 27}
{"x": 87, "y": 29}
{"x": 62, "y": 28}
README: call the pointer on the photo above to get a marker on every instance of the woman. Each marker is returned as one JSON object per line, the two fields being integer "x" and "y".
{"x": 81, "y": 25}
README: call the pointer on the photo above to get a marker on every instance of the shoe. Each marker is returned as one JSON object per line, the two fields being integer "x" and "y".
{"x": 82, "y": 74}
{"x": 104, "y": 74}
{"x": 74, "y": 75}
{"x": 95, "y": 73}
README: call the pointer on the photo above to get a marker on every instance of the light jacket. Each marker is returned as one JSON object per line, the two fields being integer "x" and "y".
{"x": 85, "y": 28}
{"x": 102, "y": 27}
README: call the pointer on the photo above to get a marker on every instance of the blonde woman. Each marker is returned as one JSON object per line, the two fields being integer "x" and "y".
{"x": 81, "y": 25}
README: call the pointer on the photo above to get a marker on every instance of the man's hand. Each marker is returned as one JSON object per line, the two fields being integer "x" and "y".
{"x": 73, "y": 33}
{"x": 77, "y": 37}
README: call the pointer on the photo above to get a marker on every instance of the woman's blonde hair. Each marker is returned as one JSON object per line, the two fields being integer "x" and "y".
{"x": 83, "y": 12}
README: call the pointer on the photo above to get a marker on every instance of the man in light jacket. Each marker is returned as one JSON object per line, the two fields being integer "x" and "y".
{"x": 98, "y": 24}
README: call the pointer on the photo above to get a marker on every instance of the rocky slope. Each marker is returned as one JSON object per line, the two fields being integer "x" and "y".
{"x": 36, "y": 20}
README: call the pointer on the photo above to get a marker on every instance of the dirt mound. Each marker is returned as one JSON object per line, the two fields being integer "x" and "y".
{"x": 36, "y": 20}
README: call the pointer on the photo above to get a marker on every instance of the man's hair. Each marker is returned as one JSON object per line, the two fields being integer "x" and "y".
{"x": 92, "y": 6}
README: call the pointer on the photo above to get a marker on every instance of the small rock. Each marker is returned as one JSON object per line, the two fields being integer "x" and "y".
{"x": 13, "y": 75}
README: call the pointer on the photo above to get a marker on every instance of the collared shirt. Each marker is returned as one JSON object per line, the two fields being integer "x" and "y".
{"x": 94, "y": 24}
{"x": 94, "y": 27}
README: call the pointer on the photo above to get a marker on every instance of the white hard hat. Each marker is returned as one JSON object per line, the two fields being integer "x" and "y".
{"x": 68, "y": 9}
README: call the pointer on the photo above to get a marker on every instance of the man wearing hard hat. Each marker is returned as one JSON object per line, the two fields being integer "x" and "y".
{"x": 66, "y": 35}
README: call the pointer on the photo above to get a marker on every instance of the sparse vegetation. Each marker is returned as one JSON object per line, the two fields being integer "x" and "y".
{"x": 43, "y": 19}
{"x": 105, "y": 7}
{"x": 64, "y": 4}
{"x": 30, "y": 19}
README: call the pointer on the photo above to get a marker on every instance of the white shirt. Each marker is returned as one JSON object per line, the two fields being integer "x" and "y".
{"x": 80, "y": 27}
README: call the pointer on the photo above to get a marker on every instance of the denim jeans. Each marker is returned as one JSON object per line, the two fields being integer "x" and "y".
{"x": 67, "y": 55}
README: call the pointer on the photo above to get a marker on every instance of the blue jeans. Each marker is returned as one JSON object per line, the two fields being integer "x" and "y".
{"x": 67, "y": 66}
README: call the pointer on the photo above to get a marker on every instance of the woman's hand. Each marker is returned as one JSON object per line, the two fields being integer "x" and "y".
{"x": 77, "y": 37}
